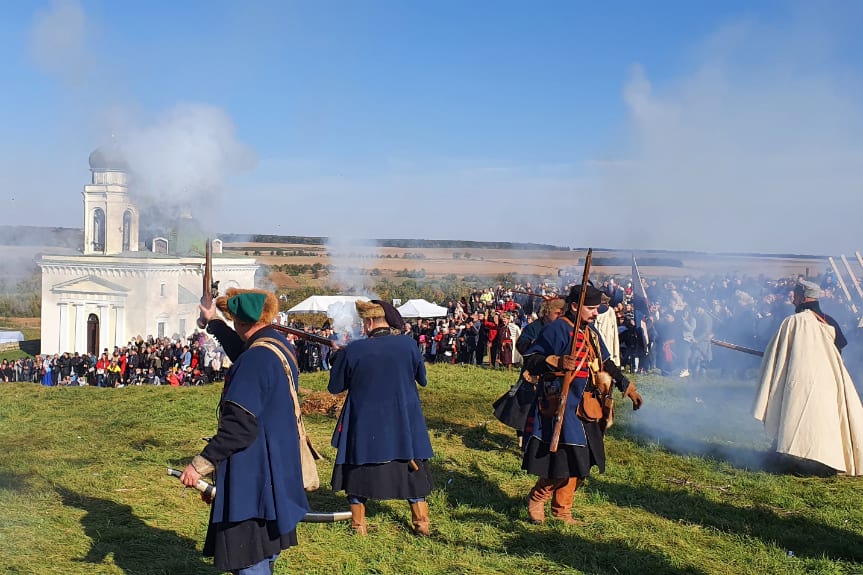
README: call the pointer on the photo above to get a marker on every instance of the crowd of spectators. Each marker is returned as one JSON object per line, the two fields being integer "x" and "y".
{"x": 194, "y": 360}
{"x": 669, "y": 332}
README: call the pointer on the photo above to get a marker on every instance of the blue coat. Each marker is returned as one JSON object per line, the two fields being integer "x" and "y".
{"x": 556, "y": 339}
{"x": 382, "y": 419}
{"x": 264, "y": 480}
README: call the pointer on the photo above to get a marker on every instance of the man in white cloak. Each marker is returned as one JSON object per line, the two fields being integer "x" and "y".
{"x": 606, "y": 325}
{"x": 805, "y": 397}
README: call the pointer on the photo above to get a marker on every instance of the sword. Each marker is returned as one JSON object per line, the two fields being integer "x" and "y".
{"x": 209, "y": 490}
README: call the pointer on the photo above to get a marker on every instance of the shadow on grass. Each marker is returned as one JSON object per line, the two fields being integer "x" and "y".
{"x": 136, "y": 547}
{"x": 478, "y": 437}
{"x": 588, "y": 556}
{"x": 804, "y": 537}
{"x": 556, "y": 543}
{"x": 14, "y": 481}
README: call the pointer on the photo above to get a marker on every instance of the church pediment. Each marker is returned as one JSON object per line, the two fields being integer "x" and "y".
{"x": 184, "y": 296}
{"x": 91, "y": 285}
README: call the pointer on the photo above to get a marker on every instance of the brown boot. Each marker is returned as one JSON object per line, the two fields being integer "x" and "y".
{"x": 420, "y": 518}
{"x": 358, "y": 518}
{"x": 561, "y": 502}
{"x": 537, "y": 497}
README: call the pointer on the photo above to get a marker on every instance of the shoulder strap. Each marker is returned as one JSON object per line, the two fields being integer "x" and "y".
{"x": 283, "y": 352}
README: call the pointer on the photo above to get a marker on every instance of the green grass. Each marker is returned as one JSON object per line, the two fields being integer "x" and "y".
{"x": 83, "y": 490}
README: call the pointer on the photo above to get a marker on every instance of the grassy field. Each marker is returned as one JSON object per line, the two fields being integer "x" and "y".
{"x": 83, "y": 490}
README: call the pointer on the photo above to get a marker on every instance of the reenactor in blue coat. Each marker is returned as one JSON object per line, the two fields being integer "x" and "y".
{"x": 581, "y": 445}
{"x": 255, "y": 453}
{"x": 381, "y": 436}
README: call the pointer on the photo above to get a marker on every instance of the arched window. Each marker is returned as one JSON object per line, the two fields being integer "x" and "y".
{"x": 98, "y": 230}
{"x": 127, "y": 230}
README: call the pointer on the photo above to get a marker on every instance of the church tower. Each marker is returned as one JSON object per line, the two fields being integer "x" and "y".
{"x": 110, "y": 219}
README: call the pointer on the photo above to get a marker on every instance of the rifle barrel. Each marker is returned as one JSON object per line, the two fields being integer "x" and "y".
{"x": 532, "y": 294}
{"x": 311, "y": 517}
{"x": 303, "y": 334}
{"x": 736, "y": 347}
{"x": 569, "y": 376}
{"x": 207, "y": 291}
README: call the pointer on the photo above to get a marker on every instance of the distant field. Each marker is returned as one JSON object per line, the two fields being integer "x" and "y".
{"x": 491, "y": 262}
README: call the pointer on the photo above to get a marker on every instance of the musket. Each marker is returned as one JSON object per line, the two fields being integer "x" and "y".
{"x": 209, "y": 490}
{"x": 303, "y": 335}
{"x": 532, "y": 294}
{"x": 569, "y": 376}
{"x": 210, "y": 289}
{"x": 736, "y": 347}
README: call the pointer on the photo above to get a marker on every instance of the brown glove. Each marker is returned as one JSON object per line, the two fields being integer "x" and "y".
{"x": 633, "y": 394}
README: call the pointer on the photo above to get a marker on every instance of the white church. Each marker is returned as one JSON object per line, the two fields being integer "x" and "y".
{"x": 116, "y": 290}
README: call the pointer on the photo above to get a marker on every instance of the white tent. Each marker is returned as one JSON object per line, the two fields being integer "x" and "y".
{"x": 11, "y": 336}
{"x": 421, "y": 308}
{"x": 321, "y": 303}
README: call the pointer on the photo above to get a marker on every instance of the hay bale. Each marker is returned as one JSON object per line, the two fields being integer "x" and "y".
{"x": 322, "y": 403}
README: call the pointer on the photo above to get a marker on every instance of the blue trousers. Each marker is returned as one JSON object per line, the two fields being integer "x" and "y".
{"x": 264, "y": 567}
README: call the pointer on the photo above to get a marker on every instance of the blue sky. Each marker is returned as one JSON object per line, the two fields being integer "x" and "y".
{"x": 717, "y": 126}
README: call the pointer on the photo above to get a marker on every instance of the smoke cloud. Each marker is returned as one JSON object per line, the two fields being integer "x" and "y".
{"x": 180, "y": 158}
{"x": 184, "y": 158}
{"x": 704, "y": 418}
{"x": 736, "y": 154}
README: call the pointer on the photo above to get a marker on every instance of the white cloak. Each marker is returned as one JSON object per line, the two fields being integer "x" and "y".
{"x": 606, "y": 325}
{"x": 806, "y": 398}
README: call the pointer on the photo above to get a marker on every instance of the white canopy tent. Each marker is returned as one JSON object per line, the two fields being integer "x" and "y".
{"x": 321, "y": 303}
{"x": 422, "y": 309}
{"x": 11, "y": 336}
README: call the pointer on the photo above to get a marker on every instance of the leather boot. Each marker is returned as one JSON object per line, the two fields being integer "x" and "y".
{"x": 537, "y": 497}
{"x": 420, "y": 518}
{"x": 358, "y": 518}
{"x": 561, "y": 502}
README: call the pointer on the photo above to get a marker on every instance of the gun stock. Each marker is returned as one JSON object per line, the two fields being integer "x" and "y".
{"x": 569, "y": 376}
{"x": 209, "y": 289}
{"x": 303, "y": 334}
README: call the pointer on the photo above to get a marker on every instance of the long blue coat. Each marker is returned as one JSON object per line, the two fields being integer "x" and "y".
{"x": 263, "y": 480}
{"x": 382, "y": 419}
{"x": 556, "y": 339}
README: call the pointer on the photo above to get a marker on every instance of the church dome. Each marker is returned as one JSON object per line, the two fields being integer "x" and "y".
{"x": 108, "y": 159}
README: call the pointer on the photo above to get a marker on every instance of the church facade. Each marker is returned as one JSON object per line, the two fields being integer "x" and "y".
{"x": 114, "y": 291}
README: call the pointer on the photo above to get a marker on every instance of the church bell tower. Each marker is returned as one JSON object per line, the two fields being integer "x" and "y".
{"x": 110, "y": 219}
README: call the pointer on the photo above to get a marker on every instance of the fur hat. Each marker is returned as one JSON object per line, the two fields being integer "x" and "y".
{"x": 550, "y": 305}
{"x": 248, "y": 305}
{"x": 808, "y": 289}
{"x": 392, "y": 315}
{"x": 369, "y": 310}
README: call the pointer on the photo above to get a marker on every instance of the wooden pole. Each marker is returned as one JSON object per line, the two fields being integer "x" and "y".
{"x": 842, "y": 284}
{"x": 854, "y": 279}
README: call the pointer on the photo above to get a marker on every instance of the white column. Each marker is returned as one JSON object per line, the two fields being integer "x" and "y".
{"x": 103, "y": 329}
{"x": 64, "y": 327}
{"x": 120, "y": 327}
{"x": 80, "y": 329}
